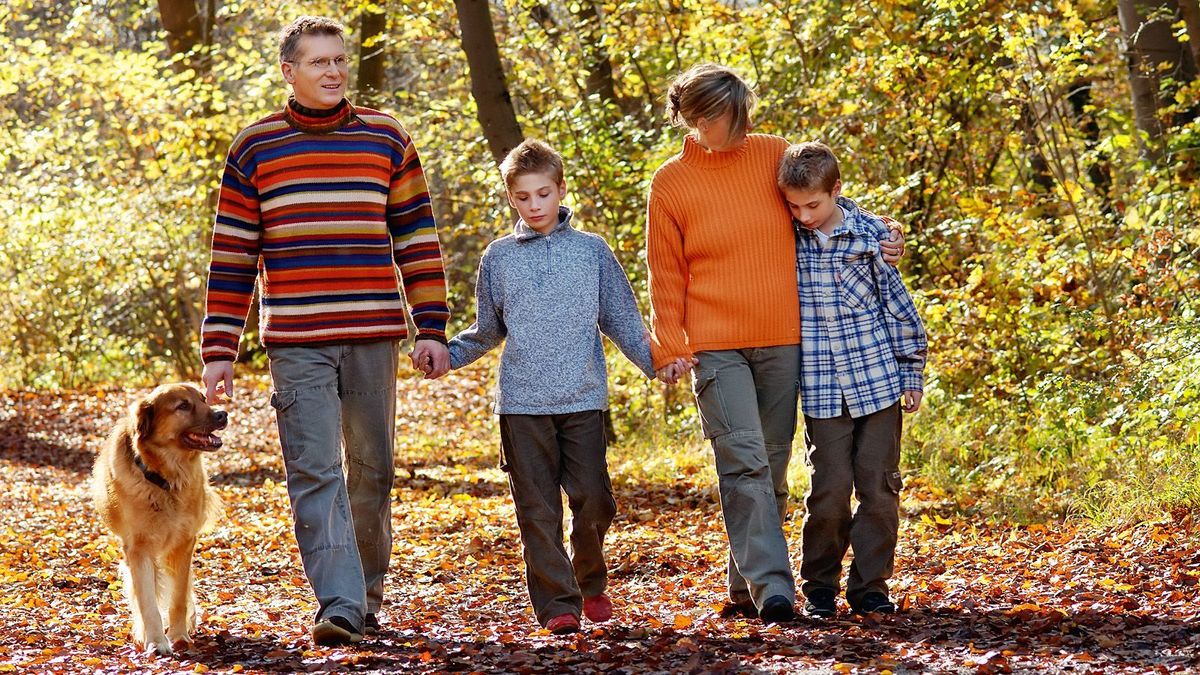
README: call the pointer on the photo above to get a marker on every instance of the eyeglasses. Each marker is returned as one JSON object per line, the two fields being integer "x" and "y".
{"x": 323, "y": 63}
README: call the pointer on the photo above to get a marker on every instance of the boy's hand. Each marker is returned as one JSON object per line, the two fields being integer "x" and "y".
{"x": 430, "y": 357}
{"x": 668, "y": 374}
{"x": 912, "y": 401}
{"x": 892, "y": 248}
{"x": 671, "y": 373}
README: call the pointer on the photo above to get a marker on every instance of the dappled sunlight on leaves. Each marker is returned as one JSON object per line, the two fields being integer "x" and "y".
{"x": 977, "y": 594}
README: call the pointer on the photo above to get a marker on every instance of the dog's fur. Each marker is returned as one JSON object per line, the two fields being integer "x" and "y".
{"x": 158, "y": 512}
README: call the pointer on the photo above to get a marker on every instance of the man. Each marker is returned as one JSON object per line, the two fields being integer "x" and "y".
{"x": 321, "y": 203}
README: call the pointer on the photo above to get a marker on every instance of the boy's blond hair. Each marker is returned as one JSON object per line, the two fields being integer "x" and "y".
{"x": 289, "y": 37}
{"x": 707, "y": 91}
{"x": 809, "y": 166}
{"x": 531, "y": 156}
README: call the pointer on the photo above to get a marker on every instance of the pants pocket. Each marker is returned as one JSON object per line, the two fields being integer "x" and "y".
{"x": 713, "y": 417}
{"x": 281, "y": 400}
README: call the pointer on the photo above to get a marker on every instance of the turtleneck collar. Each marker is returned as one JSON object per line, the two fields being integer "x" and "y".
{"x": 524, "y": 232}
{"x": 699, "y": 156}
{"x": 312, "y": 121}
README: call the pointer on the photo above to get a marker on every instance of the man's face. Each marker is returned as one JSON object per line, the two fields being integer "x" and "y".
{"x": 319, "y": 71}
{"x": 812, "y": 208}
{"x": 536, "y": 197}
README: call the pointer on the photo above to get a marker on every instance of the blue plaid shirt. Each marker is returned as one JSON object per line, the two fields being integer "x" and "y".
{"x": 862, "y": 342}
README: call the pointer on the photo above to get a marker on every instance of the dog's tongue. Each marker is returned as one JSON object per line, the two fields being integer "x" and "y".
{"x": 206, "y": 441}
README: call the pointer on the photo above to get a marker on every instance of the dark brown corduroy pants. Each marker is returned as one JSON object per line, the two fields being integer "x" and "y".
{"x": 544, "y": 456}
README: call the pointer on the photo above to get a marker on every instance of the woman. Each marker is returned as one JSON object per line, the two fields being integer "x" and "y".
{"x": 721, "y": 252}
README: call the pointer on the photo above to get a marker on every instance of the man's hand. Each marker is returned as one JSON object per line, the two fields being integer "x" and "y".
{"x": 892, "y": 248}
{"x": 430, "y": 357}
{"x": 218, "y": 379}
{"x": 912, "y": 401}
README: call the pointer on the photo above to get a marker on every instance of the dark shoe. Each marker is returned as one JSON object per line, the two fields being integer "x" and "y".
{"x": 874, "y": 602}
{"x": 734, "y": 610}
{"x": 335, "y": 631}
{"x": 597, "y": 608}
{"x": 777, "y": 609}
{"x": 371, "y": 624}
{"x": 563, "y": 624}
{"x": 821, "y": 603}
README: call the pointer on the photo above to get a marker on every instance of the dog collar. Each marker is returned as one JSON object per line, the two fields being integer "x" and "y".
{"x": 152, "y": 476}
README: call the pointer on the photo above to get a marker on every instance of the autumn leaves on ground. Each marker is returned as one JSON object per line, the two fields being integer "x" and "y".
{"x": 978, "y": 594}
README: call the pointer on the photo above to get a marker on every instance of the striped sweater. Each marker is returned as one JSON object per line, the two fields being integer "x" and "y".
{"x": 322, "y": 207}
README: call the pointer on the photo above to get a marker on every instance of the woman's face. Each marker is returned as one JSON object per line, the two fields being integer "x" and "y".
{"x": 717, "y": 134}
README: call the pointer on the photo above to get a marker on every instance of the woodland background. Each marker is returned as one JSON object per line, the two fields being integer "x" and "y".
{"x": 1043, "y": 157}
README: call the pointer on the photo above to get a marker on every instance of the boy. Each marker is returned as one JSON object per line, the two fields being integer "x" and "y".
{"x": 862, "y": 350}
{"x": 548, "y": 290}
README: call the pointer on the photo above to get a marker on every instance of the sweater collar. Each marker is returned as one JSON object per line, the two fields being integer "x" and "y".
{"x": 699, "y": 156}
{"x": 523, "y": 232}
{"x": 313, "y": 121}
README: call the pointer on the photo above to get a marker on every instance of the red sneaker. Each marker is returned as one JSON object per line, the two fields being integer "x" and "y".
{"x": 563, "y": 624}
{"x": 597, "y": 608}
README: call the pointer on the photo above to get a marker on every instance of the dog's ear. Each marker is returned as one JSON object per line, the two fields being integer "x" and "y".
{"x": 144, "y": 414}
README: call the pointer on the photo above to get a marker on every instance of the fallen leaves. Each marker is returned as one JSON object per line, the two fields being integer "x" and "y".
{"x": 976, "y": 596}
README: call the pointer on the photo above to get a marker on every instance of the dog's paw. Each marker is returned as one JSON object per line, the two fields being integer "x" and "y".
{"x": 160, "y": 646}
{"x": 178, "y": 638}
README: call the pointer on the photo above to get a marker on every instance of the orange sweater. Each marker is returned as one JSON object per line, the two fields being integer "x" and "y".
{"x": 721, "y": 252}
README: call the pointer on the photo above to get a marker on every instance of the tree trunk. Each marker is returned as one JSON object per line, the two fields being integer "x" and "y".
{"x": 1151, "y": 49}
{"x": 372, "y": 54}
{"x": 1191, "y": 17}
{"x": 488, "y": 85}
{"x": 185, "y": 30}
{"x": 599, "y": 66}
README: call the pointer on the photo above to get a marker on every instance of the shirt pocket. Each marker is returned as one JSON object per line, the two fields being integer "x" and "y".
{"x": 857, "y": 284}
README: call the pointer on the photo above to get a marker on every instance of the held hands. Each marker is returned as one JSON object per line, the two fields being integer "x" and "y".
{"x": 912, "y": 401}
{"x": 893, "y": 247}
{"x": 671, "y": 372}
{"x": 217, "y": 379}
{"x": 430, "y": 357}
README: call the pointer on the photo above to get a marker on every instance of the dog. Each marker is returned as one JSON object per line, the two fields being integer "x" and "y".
{"x": 151, "y": 490}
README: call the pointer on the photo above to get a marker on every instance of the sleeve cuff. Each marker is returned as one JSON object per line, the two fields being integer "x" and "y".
{"x": 436, "y": 337}
{"x": 912, "y": 381}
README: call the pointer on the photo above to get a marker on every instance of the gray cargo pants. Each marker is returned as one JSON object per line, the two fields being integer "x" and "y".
{"x": 747, "y": 404}
{"x": 326, "y": 399}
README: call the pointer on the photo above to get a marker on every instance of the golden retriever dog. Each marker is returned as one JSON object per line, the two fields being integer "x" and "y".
{"x": 151, "y": 489}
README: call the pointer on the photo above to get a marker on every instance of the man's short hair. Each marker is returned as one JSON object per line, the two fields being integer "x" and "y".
{"x": 809, "y": 166}
{"x": 531, "y": 156}
{"x": 289, "y": 37}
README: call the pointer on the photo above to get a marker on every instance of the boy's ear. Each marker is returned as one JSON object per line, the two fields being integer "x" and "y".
{"x": 837, "y": 188}
{"x": 562, "y": 189}
{"x": 508, "y": 196}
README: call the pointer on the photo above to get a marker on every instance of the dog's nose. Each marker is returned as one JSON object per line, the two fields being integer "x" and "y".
{"x": 220, "y": 416}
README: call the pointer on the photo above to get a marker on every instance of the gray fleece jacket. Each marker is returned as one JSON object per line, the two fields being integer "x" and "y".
{"x": 548, "y": 297}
